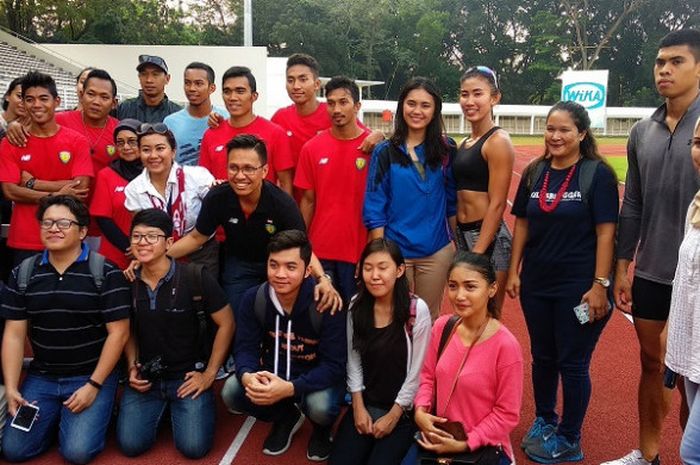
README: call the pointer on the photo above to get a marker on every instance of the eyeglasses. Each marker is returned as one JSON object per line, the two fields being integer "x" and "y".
{"x": 130, "y": 142}
{"x": 485, "y": 71}
{"x": 151, "y": 238}
{"x": 61, "y": 224}
{"x": 247, "y": 170}
{"x": 152, "y": 128}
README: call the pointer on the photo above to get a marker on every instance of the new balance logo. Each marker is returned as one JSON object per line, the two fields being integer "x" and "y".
{"x": 26, "y": 157}
{"x": 323, "y": 161}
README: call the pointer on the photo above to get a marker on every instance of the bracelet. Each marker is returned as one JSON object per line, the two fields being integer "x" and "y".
{"x": 94, "y": 384}
{"x": 324, "y": 275}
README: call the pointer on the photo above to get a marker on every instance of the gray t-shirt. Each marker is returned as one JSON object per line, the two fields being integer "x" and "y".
{"x": 661, "y": 182}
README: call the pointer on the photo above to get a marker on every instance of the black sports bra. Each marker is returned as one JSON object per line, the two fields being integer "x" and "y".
{"x": 470, "y": 170}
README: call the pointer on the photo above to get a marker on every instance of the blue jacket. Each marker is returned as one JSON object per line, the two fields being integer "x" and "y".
{"x": 311, "y": 360}
{"x": 413, "y": 211}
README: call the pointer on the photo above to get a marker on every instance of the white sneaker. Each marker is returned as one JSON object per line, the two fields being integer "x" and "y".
{"x": 633, "y": 458}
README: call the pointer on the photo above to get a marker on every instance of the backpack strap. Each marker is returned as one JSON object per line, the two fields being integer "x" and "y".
{"x": 411, "y": 316}
{"x": 533, "y": 172}
{"x": 193, "y": 279}
{"x": 25, "y": 271}
{"x": 260, "y": 304}
{"x": 585, "y": 178}
{"x": 447, "y": 331}
{"x": 96, "y": 263}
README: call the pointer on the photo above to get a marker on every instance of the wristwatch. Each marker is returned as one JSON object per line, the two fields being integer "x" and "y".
{"x": 605, "y": 282}
{"x": 30, "y": 183}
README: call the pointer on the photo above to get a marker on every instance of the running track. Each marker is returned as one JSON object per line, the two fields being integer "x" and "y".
{"x": 610, "y": 429}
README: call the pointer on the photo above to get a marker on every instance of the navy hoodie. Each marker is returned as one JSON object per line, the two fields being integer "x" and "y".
{"x": 311, "y": 361}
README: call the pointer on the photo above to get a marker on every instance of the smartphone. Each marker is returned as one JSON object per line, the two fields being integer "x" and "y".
{"x": 583, "y": 313}
{"x": 25, "y": 417}
{"x": 455, "y": 428}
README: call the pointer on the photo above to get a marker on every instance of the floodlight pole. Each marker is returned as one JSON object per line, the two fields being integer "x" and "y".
{"x": 248, "y": 23}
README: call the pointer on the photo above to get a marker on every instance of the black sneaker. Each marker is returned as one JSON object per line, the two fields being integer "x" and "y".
{"x": 319, "y": 444}
{"x": 282, "y": 432}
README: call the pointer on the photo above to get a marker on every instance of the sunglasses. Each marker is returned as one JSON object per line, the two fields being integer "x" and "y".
{"x": 152, "y": 128}
{"x": 484, "y": 71}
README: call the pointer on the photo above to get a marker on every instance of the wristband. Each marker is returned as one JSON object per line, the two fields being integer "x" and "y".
{"x": 94, "y": 384}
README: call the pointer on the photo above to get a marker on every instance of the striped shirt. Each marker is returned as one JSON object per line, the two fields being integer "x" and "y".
{"x": 67, "y": 315}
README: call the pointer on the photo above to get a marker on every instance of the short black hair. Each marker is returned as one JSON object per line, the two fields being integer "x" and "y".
{"x": 10, "y": 87}
{"x": 37, "y": 79}
{"x": 248, "y": 141}
{"x": 343, "y": 82}
{"x": 240, "y": 71}
{"x": 291, "y": 239}
{"x": 689, "y": 37}
{"x": 211, "y": 76}
{"x": 153, "y": 218}
{"x": 74, "y": 204}
{"x": 103, "y": 75}
{"x": 304, "y": 60}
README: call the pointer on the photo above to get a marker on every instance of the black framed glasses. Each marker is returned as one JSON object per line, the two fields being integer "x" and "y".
{"x": 485, "y": 71}
{"x": 123, "y": 143}
{"x": 62, "y": 224}
{"x": 151, "y": 238}
{"x": 247, "y": 170}
{"x": 152, "y": 128}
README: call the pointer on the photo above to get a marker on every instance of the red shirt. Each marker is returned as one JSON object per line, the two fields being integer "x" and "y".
{"x": 101, "y": 140}
{"x": 214, "y": 157}
{"x": 301, "y": 128}
{"x": 336, "y": 170}
{"x": 63, "y": 156}
{"x": 108, "y": 202}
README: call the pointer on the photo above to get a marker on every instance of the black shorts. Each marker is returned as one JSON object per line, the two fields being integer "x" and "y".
{"x": 650, "y": 300}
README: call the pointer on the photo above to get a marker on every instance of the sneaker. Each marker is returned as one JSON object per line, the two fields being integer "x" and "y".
{"x": 320, "y": 444}
{"x": 633, "y": 458}
{"x": 282, "y": 432}
{"x": 555, "y": 449}
{"x": 538, "y": 432}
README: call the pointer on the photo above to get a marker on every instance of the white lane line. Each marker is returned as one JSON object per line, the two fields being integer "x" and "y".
{"x": 509, "y": 203}
{"x": 238, "y": 441}
{"x": 628, "y": 316}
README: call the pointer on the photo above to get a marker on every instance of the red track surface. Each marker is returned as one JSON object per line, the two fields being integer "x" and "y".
{"x": 610, "y": 429}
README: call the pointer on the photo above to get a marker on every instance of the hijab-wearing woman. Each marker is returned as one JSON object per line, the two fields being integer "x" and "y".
{"x": 566, "y": 209}
{"x": 107, "y": 205}
{"x": 482, "y": 170}
{"x": 388, "y": 332}
{"x": 178, "y": 190}
{"x": 476, "y": 380}
{"x": 407, "y": 193}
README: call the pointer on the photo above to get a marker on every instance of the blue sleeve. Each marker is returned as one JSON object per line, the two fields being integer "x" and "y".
{"x": 604, "y": 196}
{"x": 332, "y": 354}
{"x": 451, "y": 185}
{"x": 378, "y": 192}
{"x": 249, "y": 332}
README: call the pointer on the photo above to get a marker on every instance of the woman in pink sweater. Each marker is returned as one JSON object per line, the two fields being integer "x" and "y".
{"x": 487, "y": 395}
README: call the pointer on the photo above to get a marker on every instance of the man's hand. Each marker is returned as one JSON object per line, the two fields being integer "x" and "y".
{"x": 135, "y": 381}
{"x": 371, "y": 141}
{"x": 326, "y": 297}
{"x": 269, "y": 389}
{"x": 622, "y": 290}
{"x": 513, "y": 285}
{"x": 81, "y": 399}
{"x": 17, "y": 134}
{"x": 14, "y": 401}
{"x": 72, "y": 188}
{"x": 195, "y": 384}
{"x": 24, "y": 177}
{"x": 130, "y": 271}
{"x": 214, "y": 120}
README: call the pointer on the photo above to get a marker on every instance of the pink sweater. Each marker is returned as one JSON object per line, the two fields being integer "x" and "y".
{"x": 488, "y": 393}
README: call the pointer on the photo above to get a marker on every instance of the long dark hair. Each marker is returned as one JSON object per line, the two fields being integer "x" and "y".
{"x": 482, "y": 265}
{"x": 436, "y": 146}
{"x": 362, "y": 308}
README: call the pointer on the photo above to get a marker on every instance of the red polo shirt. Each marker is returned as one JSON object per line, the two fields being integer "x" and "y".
{"x": 101, "y": 140}
{"x": 108, "y": 202}
{"x": 65, "y": 155}
{"x": 301, "y": 128}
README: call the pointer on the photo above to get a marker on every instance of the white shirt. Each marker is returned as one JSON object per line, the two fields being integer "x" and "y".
{"x": 141, "y": 194}
{"x": 683, "y": 346}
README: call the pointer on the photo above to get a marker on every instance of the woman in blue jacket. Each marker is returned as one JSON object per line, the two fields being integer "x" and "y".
{"x": 409, "y": 198}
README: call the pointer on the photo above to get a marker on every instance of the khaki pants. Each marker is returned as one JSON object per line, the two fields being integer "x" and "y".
{"x": 427, "y": 277}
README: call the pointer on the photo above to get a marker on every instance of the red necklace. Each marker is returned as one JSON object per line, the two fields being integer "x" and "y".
{"x": 550, "y": 207}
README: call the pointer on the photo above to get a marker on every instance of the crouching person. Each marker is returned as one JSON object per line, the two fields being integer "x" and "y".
{"x": 288, "y": 355}
{"x": 171, "y": 356}
{"x": 75, "y": 308}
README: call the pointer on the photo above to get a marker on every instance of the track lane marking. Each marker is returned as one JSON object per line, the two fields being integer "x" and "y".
{"x": 238, "y": 441}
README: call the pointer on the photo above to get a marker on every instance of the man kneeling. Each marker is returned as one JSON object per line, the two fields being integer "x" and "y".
{"x": 288, "y": 356}
{"x": 172, "y": 360}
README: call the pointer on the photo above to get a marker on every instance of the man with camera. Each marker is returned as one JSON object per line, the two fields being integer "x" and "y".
{"x": 182, "y": 326}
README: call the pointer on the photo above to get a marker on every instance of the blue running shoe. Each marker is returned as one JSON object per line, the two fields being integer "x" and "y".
{"x": 538, "y": 432}
{"x": 556, "y": 449}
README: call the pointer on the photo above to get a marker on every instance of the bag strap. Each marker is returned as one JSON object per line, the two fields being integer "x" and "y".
{"x": 25, "y": 271}
{"x": 194, "y": 281}
{"x": 585, "y": 178}
{"x": 96, "y": 264}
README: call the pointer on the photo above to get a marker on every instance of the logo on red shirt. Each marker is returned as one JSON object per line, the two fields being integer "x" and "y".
{"x": 360, "y": 163}
{"x": 111, "y": 150}
{"x": 64, "y": 156}
{"x": 26, "y": 157}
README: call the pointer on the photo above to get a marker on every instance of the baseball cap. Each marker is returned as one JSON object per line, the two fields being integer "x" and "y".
{"x": 129, "y": 124}
{"x": 152, "y": 60}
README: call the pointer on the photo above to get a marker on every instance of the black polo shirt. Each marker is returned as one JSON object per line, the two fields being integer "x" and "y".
{"x": 165, "y": 322}
{"x": 247, "y": 238}
{"x": 66, "y": 314}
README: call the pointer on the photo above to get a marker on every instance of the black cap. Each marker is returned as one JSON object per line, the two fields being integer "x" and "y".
{"x": 152, "y": 60}
{"x": 129, "y": 124}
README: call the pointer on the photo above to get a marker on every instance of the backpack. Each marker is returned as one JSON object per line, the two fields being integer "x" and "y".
{"x": 585, "y": 177}
{"x": 260, "y": 306}
{"x": 96, "y": 264}
{"x": 206, "y": 331}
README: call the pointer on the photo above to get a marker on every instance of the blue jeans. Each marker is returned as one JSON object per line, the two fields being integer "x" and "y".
{"x": 343, "y": 276}
{"x": 193, "y": 420}
{"x": 322, "y": 407}
{"x": 81, "y": 436}
{"x": 238, "y": 276}
{"x": 690, "y": 445}
{"x": 561, "y": 346}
